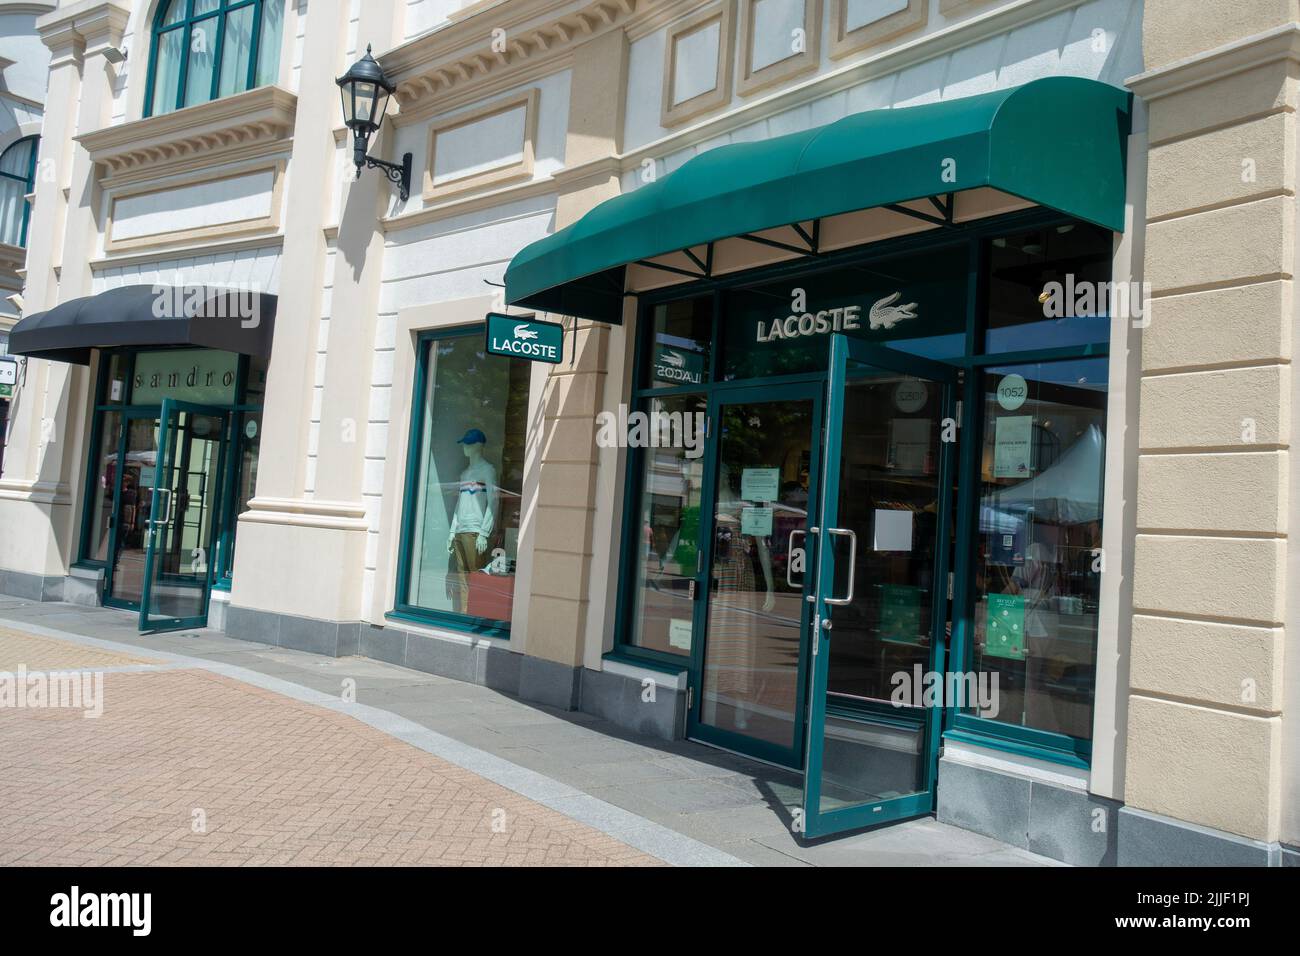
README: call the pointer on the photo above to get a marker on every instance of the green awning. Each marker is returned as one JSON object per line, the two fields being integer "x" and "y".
{"x": 1058, "y": 142}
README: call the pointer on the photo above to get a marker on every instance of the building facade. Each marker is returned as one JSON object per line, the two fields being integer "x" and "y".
{"x": 897, "y": 340}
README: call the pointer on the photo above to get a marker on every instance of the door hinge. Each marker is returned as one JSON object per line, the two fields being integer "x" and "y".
{"x": 959, "y": 401}
{"x": 690, "y": 590}
{"x": 690, "y": 697}
{"x": 949, "y": 585}
{"x": 708, "y": 425}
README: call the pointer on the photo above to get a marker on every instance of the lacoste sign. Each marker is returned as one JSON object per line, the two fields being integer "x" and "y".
{"x": 678, "y": 366}
{"x": 884, "y": 314}
{"x": 524, "y": 337}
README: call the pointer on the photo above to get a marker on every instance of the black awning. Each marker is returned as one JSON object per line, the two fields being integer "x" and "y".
{"x": 234, "y": 320}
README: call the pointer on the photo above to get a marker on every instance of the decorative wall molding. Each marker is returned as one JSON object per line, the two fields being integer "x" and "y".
{"x": 270, "y": 222}
{"x": 432, "y": 70}
{"x": 750, "y": 80}
{"x": 1281, "y": 43}
{"x": 673, "y": 111}
{"x": 210, "y": 134}
{"x": 497, "y": 175}
{"x": 845, "y": 41}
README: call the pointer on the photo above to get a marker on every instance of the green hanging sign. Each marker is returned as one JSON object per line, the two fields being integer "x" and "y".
{"x": 523, "y": 337}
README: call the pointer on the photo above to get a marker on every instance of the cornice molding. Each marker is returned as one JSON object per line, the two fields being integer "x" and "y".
{"x": 100, "y": 23}
{"x": 430, "y": 71}
{"x": 36, "y": 9}
{"x": 12, "y": 258}
{"x": 198, "y": 136}
{"x": 1281, "y": 43}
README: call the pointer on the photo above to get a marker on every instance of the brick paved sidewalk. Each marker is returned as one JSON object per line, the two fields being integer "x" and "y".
{"x": 191, "y": 767}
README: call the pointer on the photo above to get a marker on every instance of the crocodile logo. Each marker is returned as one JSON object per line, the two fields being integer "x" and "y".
{"x": 885, "y": 315}
{"x": 524, "y": 332}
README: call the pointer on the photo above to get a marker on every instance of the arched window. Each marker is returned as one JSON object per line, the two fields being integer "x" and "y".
{"x": 17, "y": 174}
{"x": 205, "y": 49}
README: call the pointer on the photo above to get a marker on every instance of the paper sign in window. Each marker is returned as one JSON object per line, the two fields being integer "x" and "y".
{"x": 760, "y": 484}
{"x": 679, "y": 633}
{"x": 892, "y": 531}
{"x": 1013, "y": 446}
{"x": 756, "y": 521}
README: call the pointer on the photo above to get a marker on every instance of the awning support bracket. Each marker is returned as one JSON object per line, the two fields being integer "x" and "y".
{"x": 945, "y": 208}
{"x": 705, "y": 265}
{"x": 812, "y": 239}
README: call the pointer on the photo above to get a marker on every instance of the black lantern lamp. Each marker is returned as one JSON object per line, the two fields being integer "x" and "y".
{"x": 365, "y": 92}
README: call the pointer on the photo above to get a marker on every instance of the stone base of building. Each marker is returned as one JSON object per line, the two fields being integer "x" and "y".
{"x": 1082, "y": 829}
{"x": 1149, "y": 839}
{"x": 32, "y": 587}
{"x": 624, "y": 700}
{"x": 1072, "y": 826}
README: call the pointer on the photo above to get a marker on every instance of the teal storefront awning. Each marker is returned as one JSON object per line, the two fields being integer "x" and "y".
{"x": 1058, "y": 142}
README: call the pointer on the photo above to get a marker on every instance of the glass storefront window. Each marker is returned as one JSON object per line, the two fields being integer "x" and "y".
{"x": 680, "y": 344}
{"x": 105, "y": 479}
{"x": 1038, "y": 558}
{"x": 1049, "y": 288}
{"x": 668, "y": 526}
{"x": 249, "y": 440}
{"x": 470, "y": 427}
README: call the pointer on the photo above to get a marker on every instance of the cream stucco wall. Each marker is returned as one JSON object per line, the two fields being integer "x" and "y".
{"x": 1207, "y": 709}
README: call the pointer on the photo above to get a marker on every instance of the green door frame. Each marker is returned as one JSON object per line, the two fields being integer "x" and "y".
{"x": 695, "y": 729}
{"x": 129, "y": 414}
{"x": 168, "y": 435}
{"x": 816, "y": 823}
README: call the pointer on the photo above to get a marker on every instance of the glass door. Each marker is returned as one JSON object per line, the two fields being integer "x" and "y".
{"x": 128, "y": 475}
{"x": 748, "y": 674}
{"x": 182, "y": 517}
{"x": 881, "y": 605}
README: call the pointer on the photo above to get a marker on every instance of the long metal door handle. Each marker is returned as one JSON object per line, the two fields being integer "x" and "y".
{"x": 789, "y": 554}
{"x": 853, "y": 564}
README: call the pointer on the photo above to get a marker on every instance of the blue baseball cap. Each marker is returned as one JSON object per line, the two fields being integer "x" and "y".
{"x": 472, "y": 437}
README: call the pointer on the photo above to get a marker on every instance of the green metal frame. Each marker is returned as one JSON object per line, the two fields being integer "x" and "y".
{"x": 224, "y": 518}
{"x": 187, "y": 24}
{"x": 168, "y": 435}
{"x": 1051, "y": 747}
{"x": 843, "y": 350}
{"x": 28, "y": 183}
{"x": 403, "y": 610}
{"x": 695, "y": 728}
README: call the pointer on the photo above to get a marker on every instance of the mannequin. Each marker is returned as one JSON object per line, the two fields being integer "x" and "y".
{"x": 474, "y": 519}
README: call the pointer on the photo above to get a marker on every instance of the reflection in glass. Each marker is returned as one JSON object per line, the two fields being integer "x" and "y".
{"x": 135, "y": 501}
{"x": 182, "y": 530}
{"x": 101, "y": 510}
{"x": 470, "y": 456}
{"x": 1038, "y": 564}
{"x": 249, "y": 436}
{"x": 873, "y": 745}
{"x": 669, "y": 523}
{"x": 1023, "y": 266}
{"x": 679, "y": 351}
{"x": 751, "y": 657}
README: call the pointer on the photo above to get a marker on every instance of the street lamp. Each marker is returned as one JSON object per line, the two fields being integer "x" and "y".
{"x": 365, "y": 92}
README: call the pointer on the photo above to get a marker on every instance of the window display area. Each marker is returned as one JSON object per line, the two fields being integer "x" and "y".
{"x": 465, "y": 477}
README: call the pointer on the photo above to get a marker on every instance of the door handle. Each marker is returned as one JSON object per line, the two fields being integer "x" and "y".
{"x": 789, "y": 552}
{"x": 853, "y": 564}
